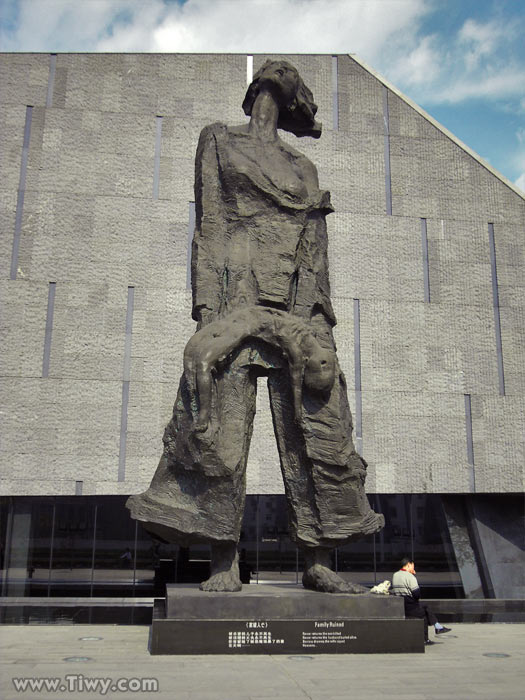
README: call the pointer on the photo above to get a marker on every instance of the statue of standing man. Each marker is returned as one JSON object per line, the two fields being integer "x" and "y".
{"x": 260, "y": 240}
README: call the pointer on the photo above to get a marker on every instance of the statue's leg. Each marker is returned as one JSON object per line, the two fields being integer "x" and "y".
{"x": 237, "y": 409}
{"x": 198, "y": 491}
{"x": 224, "y": 569}
{"x": 303, "y": 512}
{"x": 324, "y": 479}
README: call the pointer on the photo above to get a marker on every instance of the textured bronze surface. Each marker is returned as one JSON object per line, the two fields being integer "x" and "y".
{"x": 261, "y": 299}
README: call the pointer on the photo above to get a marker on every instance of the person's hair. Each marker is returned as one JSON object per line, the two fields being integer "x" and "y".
{"x": 299, "y": 117}
{"x": 405, "y": 561}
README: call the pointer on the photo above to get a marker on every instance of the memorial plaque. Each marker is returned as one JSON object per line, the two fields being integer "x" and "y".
{"x": 335, "y": 636}
{"x": 281, "y": 619}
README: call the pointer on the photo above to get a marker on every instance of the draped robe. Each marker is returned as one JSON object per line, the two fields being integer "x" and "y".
{"x": 260, "y": 238}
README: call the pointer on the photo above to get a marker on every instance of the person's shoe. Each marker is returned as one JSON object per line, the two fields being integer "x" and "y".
{"x": 428, "y": 642}
{"x": 443, "y": 630}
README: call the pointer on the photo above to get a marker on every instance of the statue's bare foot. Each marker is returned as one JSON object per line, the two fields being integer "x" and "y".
{"x": 203, "y": 440}
{"x": 225, "y": 581}
{"x": 225, "y": 575}
{"x": 204, "y": 432}
{"x": 321, "y": 578}
{"x": 356, "y": 588}
{"x": 201, "y": 425}
{"x": 318, "y": 576}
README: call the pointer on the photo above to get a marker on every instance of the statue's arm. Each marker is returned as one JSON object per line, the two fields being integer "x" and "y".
{"x": 316, "y": 238}
{"x": 207, "y": 259}
{"x": 296, "y": 369}
{"x": 309, "y": 174}
{"x": 317, "y": 230}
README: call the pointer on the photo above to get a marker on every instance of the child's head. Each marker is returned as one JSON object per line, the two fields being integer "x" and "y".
{"x": 319, "y": 371}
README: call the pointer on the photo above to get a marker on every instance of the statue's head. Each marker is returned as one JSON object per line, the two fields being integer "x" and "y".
{"x": 319, "y": 371}
{"x": 297, "y": 108}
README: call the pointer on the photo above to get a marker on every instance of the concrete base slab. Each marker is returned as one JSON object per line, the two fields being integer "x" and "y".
{"x": 277, "y": 601}
{"x": 280, "y": 620}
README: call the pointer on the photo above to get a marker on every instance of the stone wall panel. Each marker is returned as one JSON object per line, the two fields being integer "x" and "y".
{"x": 92, "y": 224}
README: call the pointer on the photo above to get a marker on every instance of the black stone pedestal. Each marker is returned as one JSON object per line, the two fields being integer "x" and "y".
{"x": 281, "y": 619}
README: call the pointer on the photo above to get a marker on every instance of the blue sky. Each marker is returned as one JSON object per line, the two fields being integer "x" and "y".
{"x": 463, "y": 61}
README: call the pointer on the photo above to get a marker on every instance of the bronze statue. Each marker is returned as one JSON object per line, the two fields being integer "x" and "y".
{"x": 261, "y": 298}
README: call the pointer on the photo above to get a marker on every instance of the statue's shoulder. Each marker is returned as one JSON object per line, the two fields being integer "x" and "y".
{"x": 212, "y": 130}
{"x": 238, "y": 129}
{"x": 222, "y": 129}
{"x": 218, "y": 134}
{"x": 210, "y": 136}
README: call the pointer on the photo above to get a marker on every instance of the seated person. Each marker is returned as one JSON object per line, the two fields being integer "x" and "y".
{"x": 212, "y": 345}
{"x": 404, "y": 583}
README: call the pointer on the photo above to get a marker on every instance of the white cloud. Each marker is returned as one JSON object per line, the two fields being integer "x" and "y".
{"x": 291, "y": 26}
{"x": 70, "y": 25}
{"x": 250, "y": 26}
{"x": 481, "y": 39}
{"x": 477, "y": 61}
{"x": 421, "y": 65}
{"x": 503, "y": 84}
{"x": 520, "y": 182}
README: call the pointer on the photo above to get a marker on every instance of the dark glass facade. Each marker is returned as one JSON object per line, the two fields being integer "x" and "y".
{"x": 89, "y": 546}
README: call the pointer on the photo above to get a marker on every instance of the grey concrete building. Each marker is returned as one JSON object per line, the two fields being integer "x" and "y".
{"x": 427, "y": 264}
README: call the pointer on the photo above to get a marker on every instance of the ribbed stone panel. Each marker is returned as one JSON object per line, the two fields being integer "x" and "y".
{"x": 107, "y": 206}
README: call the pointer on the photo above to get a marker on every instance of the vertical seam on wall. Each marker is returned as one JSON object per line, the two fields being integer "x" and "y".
{"x": 495, "y": 304}
{"x": 191, "y": 228}
{"x": 156, "y": 162}
{"x": 411, "y": 523}
{"x": 51, "y": 79}
{"x": 357, "y": 373}
{"x": 93, "y": 549}
{"x": 21, "y": 192}
{"x": 388, "y": 179}
{"x": 125, "y": 386}
{"x": 8, "y": 547}
{"x": 426, "y": 271}
{"x": 49, "y": 328}
{"x": 249, "y": 69}
{"x": 470, "y": 442}
{"x": 335, "y": 93}
{"x": 51, "y": 549}
{"x": 477, "y": 546}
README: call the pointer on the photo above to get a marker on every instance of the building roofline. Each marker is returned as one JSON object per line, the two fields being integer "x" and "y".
{"x": 439, "y": 126}
{"x": 353, "y": 56}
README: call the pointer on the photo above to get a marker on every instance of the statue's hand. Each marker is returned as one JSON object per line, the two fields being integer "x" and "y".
{"x": 204, "y": 316}
{"x": 298, "y": 407}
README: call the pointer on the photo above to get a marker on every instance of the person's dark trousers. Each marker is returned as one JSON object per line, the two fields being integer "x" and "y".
{"x": 414, "y": 608}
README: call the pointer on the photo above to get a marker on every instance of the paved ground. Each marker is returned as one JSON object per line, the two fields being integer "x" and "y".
{"x": 455, "y": 667}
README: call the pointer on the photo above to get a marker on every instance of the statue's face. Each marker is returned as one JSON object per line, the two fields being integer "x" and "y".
{"x": 319, "y": 372}
{"x": 282, "y": 80}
